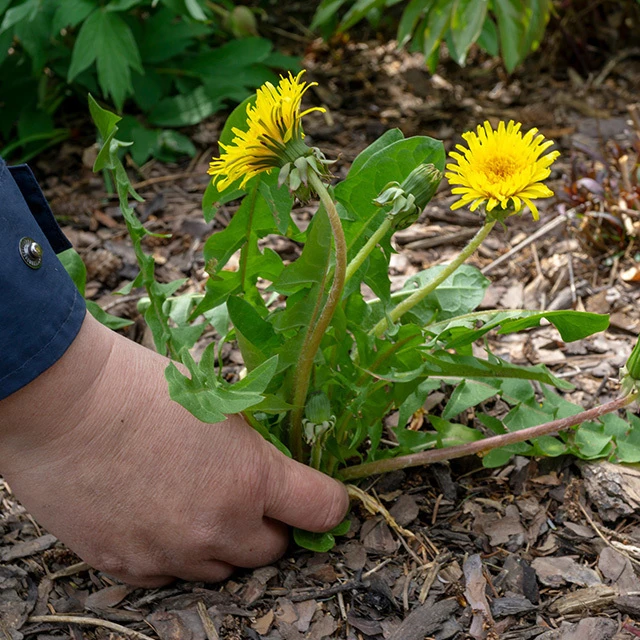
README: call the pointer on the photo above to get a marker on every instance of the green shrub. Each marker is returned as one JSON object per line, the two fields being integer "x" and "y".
{"x": 509, "y": 28}
{"x": 179, "y": 60}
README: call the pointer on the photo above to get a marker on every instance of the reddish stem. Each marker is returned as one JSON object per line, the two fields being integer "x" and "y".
{"x": 481, "y": 446}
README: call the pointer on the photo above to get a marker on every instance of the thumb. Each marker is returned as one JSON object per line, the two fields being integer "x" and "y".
{"x": 303, "y": 497}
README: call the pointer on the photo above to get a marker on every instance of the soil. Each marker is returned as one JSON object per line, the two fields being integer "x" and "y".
{"x": 546, "y": 549}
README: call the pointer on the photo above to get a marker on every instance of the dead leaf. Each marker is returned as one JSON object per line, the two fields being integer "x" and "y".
{"x": 586, "y": 629}
{"x": 618, "y": 570}
{"x": 263, "y": 624}
{"x": 28, "y": 548}
{"x": 106, "y": 598}
{"x": 475, "y": 594}
{"x": 554, "y": 572}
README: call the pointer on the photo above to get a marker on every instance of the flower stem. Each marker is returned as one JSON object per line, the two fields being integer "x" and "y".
{"x": 484, "y": 445}
{"x": 314, "y": 337}
{"x": 361, "y": 256}
{"x": 417, "y": 296}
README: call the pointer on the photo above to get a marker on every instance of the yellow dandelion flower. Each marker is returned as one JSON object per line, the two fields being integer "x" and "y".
{"x": 501, "y": 167}
{"x": 273, "y": 136}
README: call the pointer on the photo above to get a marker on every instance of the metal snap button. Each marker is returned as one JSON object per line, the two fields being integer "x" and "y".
{"x": 31, "y": 252}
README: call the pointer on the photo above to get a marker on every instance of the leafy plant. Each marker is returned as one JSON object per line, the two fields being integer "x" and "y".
{"x": 176, "y": 59}
{"x": 509, "y": 28}
{"x": 324, "y": 366}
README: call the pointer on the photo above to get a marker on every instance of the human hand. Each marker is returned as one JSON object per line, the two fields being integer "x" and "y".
{"x": 139, "y": 488}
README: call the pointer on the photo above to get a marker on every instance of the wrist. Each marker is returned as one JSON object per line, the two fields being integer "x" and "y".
{"x": 61, "y": 397}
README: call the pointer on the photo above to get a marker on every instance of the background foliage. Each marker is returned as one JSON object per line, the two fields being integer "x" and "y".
{"x": 509, "y": 28}
{"x": 179, "y": 61}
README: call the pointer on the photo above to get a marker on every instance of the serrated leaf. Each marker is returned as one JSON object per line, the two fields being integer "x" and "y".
{"x": 212, "y": 402}
{"x": 572, "y": 325}
{"x": 107, "y": 40}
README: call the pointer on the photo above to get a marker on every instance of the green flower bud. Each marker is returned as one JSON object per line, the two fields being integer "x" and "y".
{"x": 633, "y": 363}
{"x": 318, "y": 418}
{"x": 630, "y": 373}
{"x": 422, "y": 184}
{"x": 242, "y": 22}
{"x": 318, "y": 408}
{"x": 408, "y": 199}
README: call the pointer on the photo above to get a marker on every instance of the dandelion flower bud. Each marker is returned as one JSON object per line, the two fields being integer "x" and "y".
{"x": 408, "y": 199}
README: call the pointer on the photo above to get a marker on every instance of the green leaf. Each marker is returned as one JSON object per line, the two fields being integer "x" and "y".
{"x": 467, "y": 394}
{"x": 488, "y": 39}
{"x": 416, "y": 400}
{"x": 195, "y": 10}
{"x": 384, "y": 141}
{"x": 279, "y": 200}
{"x": 410, "y": 17}
{"x": 318, "y": 542}
{"x": 511, "y": 29}
{"x": 210, "y": 401}
{"x": 591, "y": 441}
{"x": 435, "y": 26}
{"x": 358, "y": 10}
{"x": 162, "y": 37}
{"x": 442, "y": 363}
{"x": 572, "y": 325}
{"x": 122, "y": 5}
{"x": 311, "y": 266}
{"x": 628, "y": 447}
{"x": 71, "y": 13}
{"x": 253, "y": 217}
{"x": 467, "y": 19}
{"x": 391, "y": 162}
{"x": 459, "y": 294}
{"x": 539, "y": 11}
{"x": 106, "y": 39}
{"x": 549, "y": 446}
{"x": 500, "y": 457}
{"x": 27, "y": 10}
{"x": 258, "y": 339}
{"x": 104, "y": 119}
{"x": 326, "y": 11}
{"x": 451, "y": 434}
{"x": 185, "y": 109}
{"x": 74, "y": 266}
{"x": 458, "y": 332}
{"x": 108, "y": 320}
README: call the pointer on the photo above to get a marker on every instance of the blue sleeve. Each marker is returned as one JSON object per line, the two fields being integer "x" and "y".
{"x": 41, "y": 310}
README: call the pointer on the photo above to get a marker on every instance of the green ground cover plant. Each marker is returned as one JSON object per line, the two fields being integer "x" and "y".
{"x": 325, "y": 365}
{"x": 178, "y": 61}
{"x": 509, "y": 28}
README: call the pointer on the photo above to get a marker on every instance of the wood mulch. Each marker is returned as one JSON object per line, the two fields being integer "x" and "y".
{"x": 546, "y": 549}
